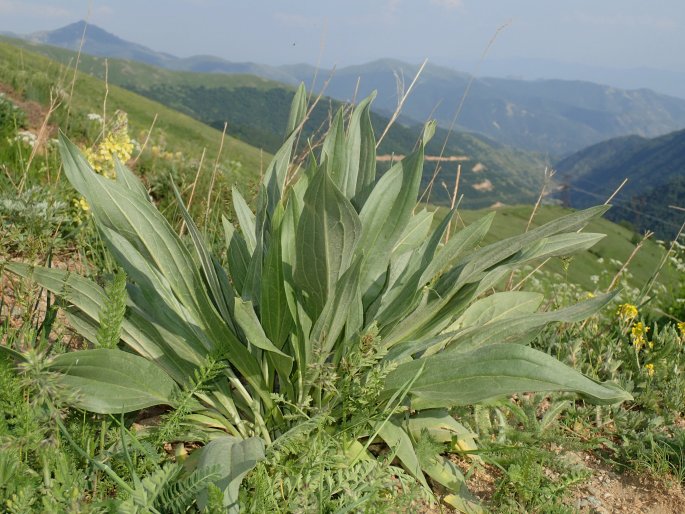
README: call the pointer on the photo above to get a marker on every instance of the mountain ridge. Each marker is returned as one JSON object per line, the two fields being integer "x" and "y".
{"x": 654, "y": 167}
{"x": 256, "y": 109}
{"x": 556, "y": 117}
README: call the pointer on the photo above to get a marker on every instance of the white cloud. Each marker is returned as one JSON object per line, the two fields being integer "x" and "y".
{"x": 448, "y": 4}
{"x": 626, "y": 21}
{"x": 104, "y": 11}
{"x": 42, "y": 10}
{"x": 297, "y": 20}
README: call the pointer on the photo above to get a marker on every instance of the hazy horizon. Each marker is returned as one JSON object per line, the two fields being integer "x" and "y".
{"x": 443, "y": 31}
{"x": 615, "y": 41}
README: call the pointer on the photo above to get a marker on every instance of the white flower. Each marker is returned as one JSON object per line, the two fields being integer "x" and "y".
{"x": 26, "y": 137}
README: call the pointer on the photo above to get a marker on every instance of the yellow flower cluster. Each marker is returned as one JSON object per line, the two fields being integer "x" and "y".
{"x": 637, "y": 334}
{"x": 649, "y": 368}
{"x": 116, "y": 142}
{"x": 681, "y": 329}
{"x": 82, "y": 208}
{"x": 158, "y": 151}
{"x": 626, "y": 311}
{"x": 82, "y": 204}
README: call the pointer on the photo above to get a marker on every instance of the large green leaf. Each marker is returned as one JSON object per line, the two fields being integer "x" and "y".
{"x": 220, "y": 289}
{"x": 384, "y": 217}
{"x": 298, "y": 110}
{"x": 405, "y": 291}
{"x": 399, "y": 442}
{"x": 171, "y": 351}
{"x": 497, "y": 306}
{"x": 333, "y": 155}
{"x": 521, "y": 328}
{"x": 237, "y": 254}
{"x": 327, "y": 234}
{"x": 275, "y": 314}
{"x": 442, "y": 428}
{"x": 153, "y": 241}
{"x": 449, "y": 476}
{"x": 233, "y": 458}
{"x": 112, "y": 381}
{"x": 415, "y": 232}
{"x": 500, "y": 251}
{"x": 454, "y": 378}
{"x": 246, "y": 219}
{"x": 361, "y": 155}
{"x": 254, "y": 332}
{"x": 116, "y": 207}
{"x": 342, "y": 310}
{"x": 411, "y": 327}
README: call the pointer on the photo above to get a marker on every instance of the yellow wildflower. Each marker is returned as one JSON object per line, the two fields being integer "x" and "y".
{"x": 82, "y": 204}
{"x": 589, "y": 295}
{"x": 637, "y": 334}
{"x": 638, "y": 343}
{"x": 116, "y": 142}
{"x": 649, "y": 368}
{"x": 681, "y": 328}
{"x": 626, "y": 311}
{"x": 639, "y": 329}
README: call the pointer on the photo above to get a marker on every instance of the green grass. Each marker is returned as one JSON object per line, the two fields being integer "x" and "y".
{"x": 617, "y": 246}
{"x": 256, "y": 109}
{"x": 519, "y": 437}
{"x": 33, "y": 76}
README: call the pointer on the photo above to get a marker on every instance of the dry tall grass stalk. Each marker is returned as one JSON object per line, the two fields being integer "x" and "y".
{"x": 650, "y": 283}
{"x": 192, "y": 191}
{"x": 429, "y": 187}
{"x": 606, "y": 202}
{"x": 620, "y": 272}
{"x": 147, "y": 139}
{"x": 453, "y": 201}
{"x": 214, "y": 171}
{"x": 549, "y": 173}
{"x": 41, "y": 137}
{"x": 400, "y": 104}
{"x": 104, "y": 101}
{"x": 78, "y": 60}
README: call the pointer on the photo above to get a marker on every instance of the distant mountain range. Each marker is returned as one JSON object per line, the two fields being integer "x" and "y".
{"x": 256, "y": 111}
{"x": 668, "y": 82}
{"x": 655, "y": 169}
{"x": 555, "y": 117}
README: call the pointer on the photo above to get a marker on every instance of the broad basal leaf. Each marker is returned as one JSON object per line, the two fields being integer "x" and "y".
{"x": 112, "y": 381}
{"x": 455, "y": 378}
{"x": 233, "y": 458}
{"x": 327, "y": 235}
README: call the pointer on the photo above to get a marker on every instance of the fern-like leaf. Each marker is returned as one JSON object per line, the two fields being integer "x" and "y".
{"x": 112, "y": 312}
{"x": 147, "y": 491}
{"x": 180, "y": 494}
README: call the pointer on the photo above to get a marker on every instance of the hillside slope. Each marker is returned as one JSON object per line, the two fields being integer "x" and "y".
{"x": 256, "y": 111}
{"x": 555, "y": 117}
{"x": 655, "y": 169}
{"x": 35, "y": 79}
{"x": 611, "y": 251}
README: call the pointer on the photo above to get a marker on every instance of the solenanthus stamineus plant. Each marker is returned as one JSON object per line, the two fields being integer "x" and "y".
{"x": 340, "y": 305}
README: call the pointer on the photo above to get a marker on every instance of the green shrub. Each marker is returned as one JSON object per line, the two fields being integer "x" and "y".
{"x": 343, "y": 311}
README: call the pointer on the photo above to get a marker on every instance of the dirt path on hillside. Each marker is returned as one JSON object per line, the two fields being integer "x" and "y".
{"x": 35, "y": 112}
{"x": 605, "y": 492}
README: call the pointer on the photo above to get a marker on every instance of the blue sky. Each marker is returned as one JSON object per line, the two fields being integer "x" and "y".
{"x": 611, "y": 33}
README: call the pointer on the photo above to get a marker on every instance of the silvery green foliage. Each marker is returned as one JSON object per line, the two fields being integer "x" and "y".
{"x": 332, "y": 253}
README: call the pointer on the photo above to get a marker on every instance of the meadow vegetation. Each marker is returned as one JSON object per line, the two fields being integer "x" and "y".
{"x": 314, "y": 341}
